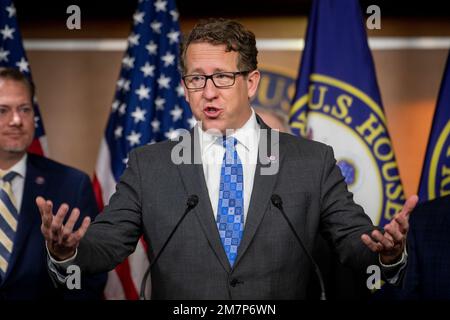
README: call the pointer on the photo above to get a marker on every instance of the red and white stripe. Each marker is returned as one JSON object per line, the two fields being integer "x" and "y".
{"x": 124, "y": 281}
{"x": 39, "y": 146}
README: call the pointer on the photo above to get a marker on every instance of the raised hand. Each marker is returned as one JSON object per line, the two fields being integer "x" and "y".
{"x": 62, "y": 241}
{"x": 391, "y": 244}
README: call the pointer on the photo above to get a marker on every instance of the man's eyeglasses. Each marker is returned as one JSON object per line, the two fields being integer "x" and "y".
{"x": 220, "y": 79}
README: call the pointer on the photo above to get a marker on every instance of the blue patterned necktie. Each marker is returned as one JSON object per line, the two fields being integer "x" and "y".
{"x": 230, "y": 213}
{"x": 8, "y": 221}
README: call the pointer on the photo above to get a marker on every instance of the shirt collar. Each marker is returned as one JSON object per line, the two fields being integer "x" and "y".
{"x": 247, "y": 135}
{"x": 20, "y": 167}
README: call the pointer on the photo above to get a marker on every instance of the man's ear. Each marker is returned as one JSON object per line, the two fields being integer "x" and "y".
{"x": 253, "y": 82}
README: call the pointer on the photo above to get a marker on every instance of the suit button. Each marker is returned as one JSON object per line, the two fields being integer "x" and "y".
{"x": 234, "y": 282}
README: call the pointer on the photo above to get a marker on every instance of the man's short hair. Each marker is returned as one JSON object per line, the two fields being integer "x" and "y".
{"x": 232, "y": 34}
{"x": 8, "y": 73}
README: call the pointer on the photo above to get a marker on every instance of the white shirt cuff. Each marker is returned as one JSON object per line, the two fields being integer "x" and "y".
{"x": 400, "y": 265}
{"x": 58, "y": 268}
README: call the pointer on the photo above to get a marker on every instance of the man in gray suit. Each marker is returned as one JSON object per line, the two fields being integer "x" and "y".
{"x": 234, "y": 241}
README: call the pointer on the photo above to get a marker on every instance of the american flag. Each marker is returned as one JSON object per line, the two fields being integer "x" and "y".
{"x": 12, "y": 54}
{"x": 148, "y": 107}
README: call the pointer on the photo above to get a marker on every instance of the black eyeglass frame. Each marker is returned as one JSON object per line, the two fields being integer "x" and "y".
{"x": 210, "y": 76}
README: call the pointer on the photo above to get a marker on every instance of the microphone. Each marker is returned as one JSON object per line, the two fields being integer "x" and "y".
{"x": 277, "y": 202}
{"x": 190, "y": 204}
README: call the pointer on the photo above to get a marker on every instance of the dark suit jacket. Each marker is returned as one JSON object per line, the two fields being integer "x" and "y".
{"x": 151, "y": 197}
{"x": 428, "y": 272}
{"x": 27, "y": 276}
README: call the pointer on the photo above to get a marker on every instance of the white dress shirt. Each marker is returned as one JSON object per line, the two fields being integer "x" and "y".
{"x": 18, "y": 182}
{"x": 212, "y": 152}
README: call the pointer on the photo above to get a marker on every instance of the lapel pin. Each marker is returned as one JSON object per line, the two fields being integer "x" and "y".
{"x": 272, "y": 158}
{"x": 40, "y": 180}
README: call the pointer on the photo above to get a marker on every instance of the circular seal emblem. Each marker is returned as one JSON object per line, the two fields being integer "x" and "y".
{"x": 342, "y": 116}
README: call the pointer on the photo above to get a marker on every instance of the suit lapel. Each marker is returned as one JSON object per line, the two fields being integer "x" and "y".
{"x": 195, "y": 183}
{"x": 35, "y": 184}
{"x": 263, "y": 185}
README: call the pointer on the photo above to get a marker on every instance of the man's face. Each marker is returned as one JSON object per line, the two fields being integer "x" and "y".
{"x": 16, "y": 117}
{"x": 219, "y": 108}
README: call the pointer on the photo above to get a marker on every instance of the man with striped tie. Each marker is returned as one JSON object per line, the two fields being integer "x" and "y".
{"x": 23, "y": 176}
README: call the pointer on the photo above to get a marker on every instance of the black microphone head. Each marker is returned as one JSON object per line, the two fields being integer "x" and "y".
{"x": 192, "y": 200}
{"x": 276, "y": 200}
